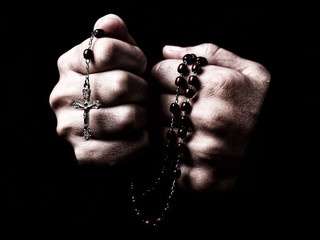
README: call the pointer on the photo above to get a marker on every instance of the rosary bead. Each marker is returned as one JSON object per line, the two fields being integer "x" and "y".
{"x": 202, "y": 61}
{"x": 193, "y": 80}
{"x": 184, "y": 121}
{"x": 182, "y": 133}
{"x": 182, "y": 148}
{"x": 196, "y": 68}
{"x": 170, "y": 150}
{"x": 185, "y": 106}
{"x": 98, "y": 33}
{"x": 87, "y": 53}
{"x": 166, "y": 210}
{"x": 148, "y": 222}
{"x": 174, "y": 108}
{"x": 158, "y": 220}
{"x": 138, "y": 213}
{"x": 180, "y": 81}
{"x": 183, "y": 69}
{"x": 171, "y": 136}
{"x": 177, "y": 173}
{"x": 189, "y": 58}
{"x": 189, "y": 93}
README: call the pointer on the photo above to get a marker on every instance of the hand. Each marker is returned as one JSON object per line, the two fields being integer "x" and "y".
{"x": 224, "y": 111}
{"x": 118, "y": 127}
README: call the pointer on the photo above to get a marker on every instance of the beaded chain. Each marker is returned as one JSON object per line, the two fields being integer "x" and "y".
{"x": 86, "y": 105}
{"x": 175, "y": 148}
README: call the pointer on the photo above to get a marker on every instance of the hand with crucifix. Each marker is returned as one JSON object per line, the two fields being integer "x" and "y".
{"x": 222, "y": 106}
{"x": 118, "y": 127}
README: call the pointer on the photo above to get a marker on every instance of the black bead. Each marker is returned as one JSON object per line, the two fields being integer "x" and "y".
{"x": 170, "y": 149}
{"x": 193, "y": 80}
{"x": 196, "y": 68}
{"x": 87, "y": 53}
{"x": 158, "y": 220}
{"x": 177, "y": 173}
{"x": 148, "y": 222}
{"x": 186, "y": 106}
{"x": 181, "y": 147}
{"x": 184, "y": 121}
{"x": 139, "y": 214}
{"x": 171, "y": 136}
{"x": 189, "y": 93}
{"x": 189, "y": 58}
{"x": 180, "y": 81}
{"x": 182, "y": 133}
{"x": 174, "y": 108}
{"x": 183, "y": 69}
{"x": 202, "y": 61}
{"x": 98, "y": 33}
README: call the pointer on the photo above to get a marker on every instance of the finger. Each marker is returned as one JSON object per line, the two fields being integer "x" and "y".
{"x": 214, "y": 118}
{"x": 109, "y": 152}
{"x": 114, "y": 26}
{"x": 164, "y": 73}
{"x": 221, "y": 57}
{"x": 118, "y": 122}
{"x": 207, "y": 161}
{"x": 104, "y": 123}
{"x": 108, "y": 54}
{"x": 110, "y": 88}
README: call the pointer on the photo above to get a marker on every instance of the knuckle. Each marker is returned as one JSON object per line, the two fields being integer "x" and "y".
{"x": 211, "y": 178}
{"x": 163, "y": 69}
{"x": 120, "y": 88}
{"x": 63, "y": 62}
{"x": 209, "y": 49}
{"x": 94, "y": 154}
{"x": 143, "y": 60}
{"x": 202, "y": 178}
{"x": 65, "y": 128}
{"x": 58, "y": 97}
{"x": 85, "y": 156}
{"x": 259, "y": 72}
{"x": 129, "y": 117}
{"x": 264, "y": 74}
{"x": 208, "y": 147}
{"x": 55, "y": 98}
{"x": 107, "y": 52}
{"x": 157, "y": 68}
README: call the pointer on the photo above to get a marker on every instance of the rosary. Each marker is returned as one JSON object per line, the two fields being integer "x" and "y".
{"x": 175, "y": 148}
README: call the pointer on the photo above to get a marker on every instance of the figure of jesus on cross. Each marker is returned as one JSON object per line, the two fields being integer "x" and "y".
{"x": 86, "y": 105}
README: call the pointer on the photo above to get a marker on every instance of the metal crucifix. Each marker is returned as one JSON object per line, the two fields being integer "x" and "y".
{"x": 86, "y": 105}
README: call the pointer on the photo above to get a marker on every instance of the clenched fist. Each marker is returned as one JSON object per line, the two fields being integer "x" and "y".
{"x": 228, "y": 100}
{"x": 118, "y": 128}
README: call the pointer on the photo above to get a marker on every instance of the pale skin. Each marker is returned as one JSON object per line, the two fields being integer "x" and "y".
{"x": 228, "y": 101}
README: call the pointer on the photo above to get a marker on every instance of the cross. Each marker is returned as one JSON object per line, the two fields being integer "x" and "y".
{"x": 86, "y": 105}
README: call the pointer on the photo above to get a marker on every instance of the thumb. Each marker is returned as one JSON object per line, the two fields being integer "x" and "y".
{"x": 220, "y": 57}
{"x": 114, "y": 26}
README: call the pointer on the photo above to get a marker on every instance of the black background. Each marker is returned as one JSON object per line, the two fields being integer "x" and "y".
{"x": 41, "y": 183}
